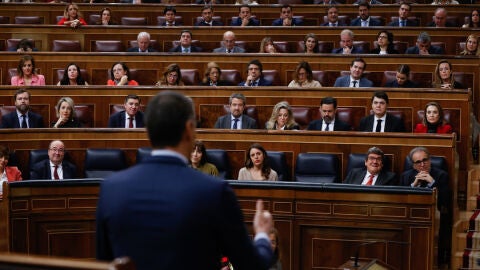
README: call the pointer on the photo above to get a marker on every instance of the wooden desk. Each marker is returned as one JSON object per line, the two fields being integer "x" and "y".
{"x": 319, "y": 225}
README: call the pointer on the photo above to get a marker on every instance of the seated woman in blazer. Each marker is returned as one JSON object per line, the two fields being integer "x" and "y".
{"x": 433, "y": 121}
{"x": 7, "y": 173}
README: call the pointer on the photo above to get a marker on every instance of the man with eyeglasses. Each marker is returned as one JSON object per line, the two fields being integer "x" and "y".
{"x": 55, "y": 167}
{"x": 423, "y": 175}
{"x": 373, "y": 173}
{"x": 131, "y": 117}
{"x": 380, "y": 120}
{"x": 346, "y": 43}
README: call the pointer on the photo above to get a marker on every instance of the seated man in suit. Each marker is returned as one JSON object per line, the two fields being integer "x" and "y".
{"x": 169, "y": 12}
{"x": 380, "y": 120}
{"x": 355, "y": 79}
{"x": 440, "y": 19}
{"x": 424, "y": 46}
{"x": 346, "y": 42}
{"x": 423, "y": 175}
{"x": 255, "y": 75}
{"x": 55, "y": 167}
{"x": 245, "y": 17}
{"x": 22, "y": 117}
{"x": 207, "y": 18}
{"x": 236, "y": 119}
{"x": 403, "y": 13}
{"x": 131, "y": 117}
{"x": 373, "y": 173}
{"x": 364, "y": 19}
{"x": 142, "y": 212}
{"x": 328, "y": 110}
{"x": 228, "y": 44}
{"x": 332, "y": 16}
{"x": 286, "y": 18}
{"x": 143, "y": 40}
{"x": 186, "y": 43}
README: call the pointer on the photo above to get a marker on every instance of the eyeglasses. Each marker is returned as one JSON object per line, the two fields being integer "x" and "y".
{"x": 371, "y": 158}
{"x": 425, "y": 160}
{"x": 57, "y": 150}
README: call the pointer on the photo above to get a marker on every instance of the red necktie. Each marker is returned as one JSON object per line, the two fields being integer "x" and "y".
{"x": 130, "y": 122}
{"x": 370, "y": 180}
{"x": 55, "y": 173}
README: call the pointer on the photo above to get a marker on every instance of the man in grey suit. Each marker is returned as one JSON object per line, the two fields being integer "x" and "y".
{"x": 236, "y": 119}
{"x": 355, "y": 79}
{"x": 228, "y": 44}
{"x": 372, "y": 174}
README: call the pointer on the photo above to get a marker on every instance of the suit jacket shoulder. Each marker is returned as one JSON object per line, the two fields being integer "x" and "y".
{"x": 339, "y": 125}
{"x": 343, "y": 81}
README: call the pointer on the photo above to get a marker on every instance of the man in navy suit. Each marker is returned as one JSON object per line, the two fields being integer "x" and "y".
{"x": 355, "y": 79}
{"x": 236, "y": 119}
{"x": 373, "y": 173}
{"x": 332, "y": 17}
{"x": 143, "y": 41}
{"x": 165, "y": 215}
{"x": 228, "y": 44}
{"x": 380, "y": 120}
{"x": 328, "y": 110}
{"x": 255, "y": 75}
{"x": 364, "y": 19}
{"x": 440, "y": 19}
{"x": 55, "y": 167}
{"x": 346, "y": 43}
{"x": 207, "y": 18}
{"x": 22, "y": 117}
{"x": 403, "y": 13}
{"x": 169, "y": 12}
{"x": 131, "y": 117}
{"x": 186, "y": 43}
{"x": 245, "y": 17}
{"x": 424, "y": 46}
{"x": 286, "y": 18}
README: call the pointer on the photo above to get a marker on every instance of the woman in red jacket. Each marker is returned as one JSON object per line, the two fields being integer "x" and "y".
{"x": 7, "y": 173}
{"x": 433, "y": 121}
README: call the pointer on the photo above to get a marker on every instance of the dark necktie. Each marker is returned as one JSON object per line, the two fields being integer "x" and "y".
{"x": 354, "y": 83}
{"x": 55, "y": 173}
{"x": 370, "y": 180}
{"x": 402, "y": 23}
{"x": 235, "y": 121}
{"x": 327, "y": 128}
{"x": 24, "y": 121}
{"x": 379, "y": 126}
{"x": 130, "y": 122}
{"x": 229, "y": 51}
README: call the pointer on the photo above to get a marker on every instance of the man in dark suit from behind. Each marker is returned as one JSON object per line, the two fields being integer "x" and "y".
{"x": 143, "y": 41}
{"x": 286, "y": 18}
{"x": 424, "y": 46}
{"x": 364, "y": 19}
{"x": 423, "y": 175}
{"x": 328, "y": 110}
{"x": 164, "y": 215}
{"x": 255, "y": 75}
{"x": 207, "y": 18}
{"x": 55, "y": 167}
{"x": 131, "y": 117}
{"x": 373, "y": 173}
{"x": 186, "y": 43}
{"x": 380, "y": 120}
{"x": 236, "y": 119}
{"x": 403, "y": 14}
{"x": 22, "y": 117}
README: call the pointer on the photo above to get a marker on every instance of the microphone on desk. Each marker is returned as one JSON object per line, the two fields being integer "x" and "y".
{"x": 369, "y": 242}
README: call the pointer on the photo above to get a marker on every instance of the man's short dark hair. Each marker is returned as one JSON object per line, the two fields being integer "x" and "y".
{"x": 287, "y": 6}
{"x": 245, "y": 5}
{"x": 256, "y": 62}
{"x": 375, "y": 150}
{"x": 20, "y": 91}
{"x": 186, "y": 31}
{"x": 132, "y": 96}
{"x": 359, "y": 60}
{"x": 237, "y": 96}
{"x": 169, "y": 8}
{"x": 364, "y": 4}
{"x": 329, "y": 100}
{"x": 380, "y": 94}
{"x": 207, "y": 7}
{"x": 166, "y": 116}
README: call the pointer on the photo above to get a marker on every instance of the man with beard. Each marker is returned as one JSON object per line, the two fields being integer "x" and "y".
{"x": 131, "y": 117}
{"x": 328, "y": 110}
{"x": 236, "y": 119}
{"x": 22, "y": 117}
{"x": 364, "y": 19}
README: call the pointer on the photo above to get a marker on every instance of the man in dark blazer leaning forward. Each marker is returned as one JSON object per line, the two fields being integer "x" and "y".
{"x": 373, "y": 173}
{"x": 55, "y": 167}
{"x": 236, "y": 119}
{"x": 131, "y": 117}
{"x": 164, "y": 215}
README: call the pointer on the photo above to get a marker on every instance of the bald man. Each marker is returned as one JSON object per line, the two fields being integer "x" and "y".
{"x": 228, "y": 44}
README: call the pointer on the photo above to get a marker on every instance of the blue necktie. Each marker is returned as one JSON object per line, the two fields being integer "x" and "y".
{"x": 235, "y": 121}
